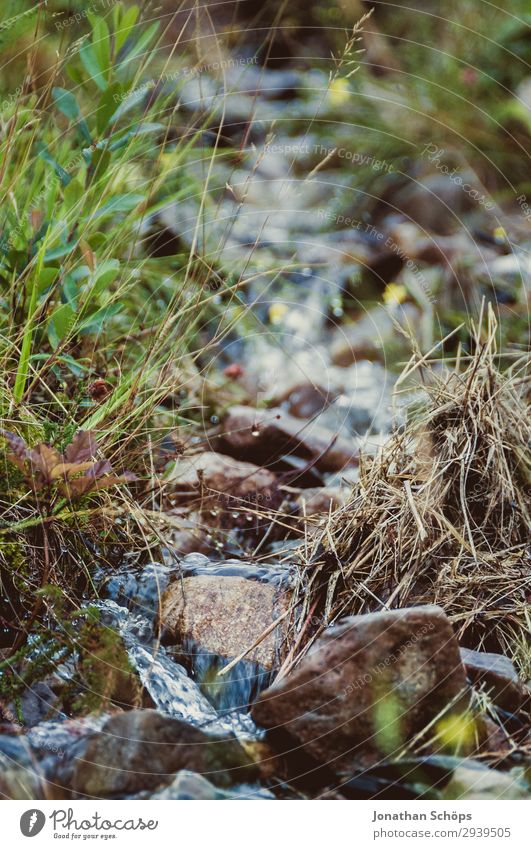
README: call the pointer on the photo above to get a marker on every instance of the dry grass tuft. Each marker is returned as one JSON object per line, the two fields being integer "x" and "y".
{"x": 441, "y": 515}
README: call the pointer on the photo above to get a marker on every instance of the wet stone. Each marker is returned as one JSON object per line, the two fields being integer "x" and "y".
{"x": 37, "y": 703}
{"x": 191, "y": 785}
{"x": 142, "y": 750}
{"x": 218, "y": 612}
{"x": 20, "y": 777}
{"x": 368, "y": 685}
{"x": 212, "y": 477}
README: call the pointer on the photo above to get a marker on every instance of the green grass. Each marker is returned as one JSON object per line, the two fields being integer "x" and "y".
{"x": 95, "y": 332}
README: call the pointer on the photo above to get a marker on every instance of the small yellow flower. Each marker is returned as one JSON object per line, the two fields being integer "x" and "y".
{"x": 394, "y": 294}
{"x": 277, "y": 312}
{"x": 339, "y": 91}
{"x": 500, "y": 234}
{"x": 457, "y": 733}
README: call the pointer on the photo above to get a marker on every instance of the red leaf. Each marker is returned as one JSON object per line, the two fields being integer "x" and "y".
{"x": 76, "y": 488}
{"x": 68, "y": 470}
{"x": 82, "y": 448}
{"x": 90, "y": 483}
{"x": 44, "y": 459}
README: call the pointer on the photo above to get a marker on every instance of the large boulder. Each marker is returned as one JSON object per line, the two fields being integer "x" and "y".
{"x": 370, "y": 683}
{"x": 142, "y": 750}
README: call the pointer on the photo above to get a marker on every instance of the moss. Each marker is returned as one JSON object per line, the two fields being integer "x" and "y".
{"x": 105, "y": 674}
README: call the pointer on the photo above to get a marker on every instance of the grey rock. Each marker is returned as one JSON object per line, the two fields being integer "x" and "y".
{"x": 497, "y": 675}
{"x": 190, "y": 785}
{"x": 20, "y": 775}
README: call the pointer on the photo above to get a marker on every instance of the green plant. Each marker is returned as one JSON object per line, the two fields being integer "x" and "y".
{"x": 88, "y": 157}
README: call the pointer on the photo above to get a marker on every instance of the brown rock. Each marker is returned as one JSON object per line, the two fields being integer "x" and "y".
{"x": 370, "y": 683}
{"x": 264, "y": 435}
{"x": 492, "y": 738}
{"x": 212, "y": 476}
{"x": 189, "y": 534}
{"x": 225, "y": 615}
{"x": 141, "y": 750}
{"x": 304, "y": 400}
{"x": 367, "y": 338}
{"x": 497, "y": 674}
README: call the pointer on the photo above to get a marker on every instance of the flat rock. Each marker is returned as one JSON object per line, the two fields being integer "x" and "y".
{"x": 141, "y": 750}
{"x": 265, "y": 435}
{"x": 215, "y": 477}
{"x": 225, "y": 615}
{"x": 370, "y": 683}
{"x": 498, "y": 676}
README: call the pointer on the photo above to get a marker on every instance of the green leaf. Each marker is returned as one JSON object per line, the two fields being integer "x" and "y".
{"x": 129, "y": 102}
{"x": 101, "y": 43}
{"x": 70, "y": 291}
{"x": 46, "y": 279}
{"x": 14, "y": 27}
{"x": 104, "y": 276}
{"x": 100, "y": 162}
{"x": 97, "y": 240}
{"x": 73, "y": 194}
{"x": 77, "y": 369}
{"x": 94, "y": 322}
{"x": 140, "y": 46}
{"x": 45, "y": 154}
{"x": 99, "y": 281}
{"x": 60, "y": 251}
{"x": 107, "y": 107}
{"x": 141, "y": 130}
{"x": 60, "y": 324}
{"x": 66, "y": 103}
{"x": 91, "y": 66}
{"x": 69, "y": 107}
{"x": 120, "y": 203}
{"x": 124, "y": 27}
{"x": 75, "y": 75}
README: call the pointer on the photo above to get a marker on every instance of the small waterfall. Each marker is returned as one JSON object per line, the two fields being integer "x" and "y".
{"x": 170, "y": 687}
{"x": 240, "y": 686}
